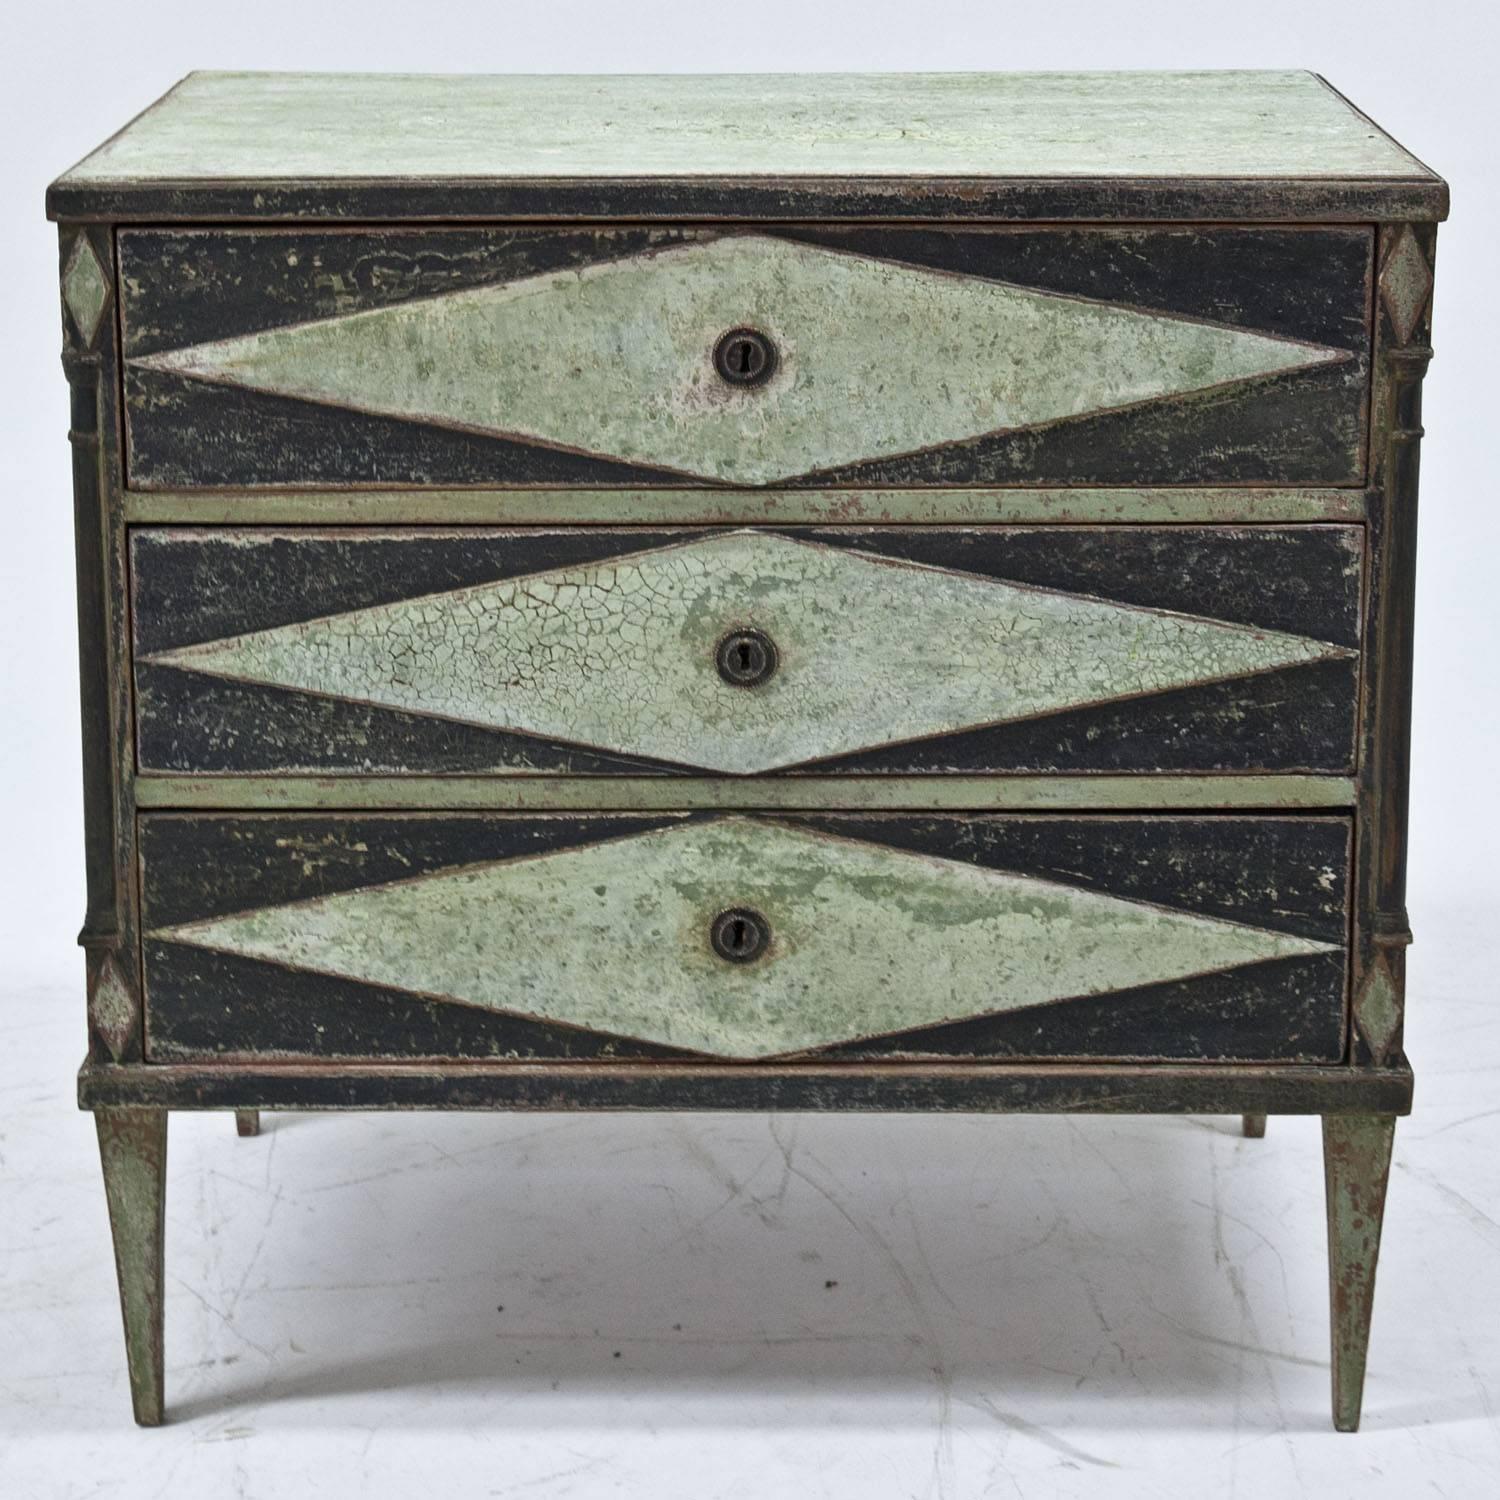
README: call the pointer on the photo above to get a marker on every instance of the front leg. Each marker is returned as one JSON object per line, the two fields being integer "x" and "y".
{"x": 133, "y": 1148}
{"x": 1356, "y": 1165}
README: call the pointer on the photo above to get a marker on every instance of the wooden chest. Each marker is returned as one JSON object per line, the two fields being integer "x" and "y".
{"x": 624, "y": 593}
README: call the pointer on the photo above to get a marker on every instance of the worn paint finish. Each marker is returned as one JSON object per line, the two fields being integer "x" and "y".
{"x": 1405, "y": 284}
{"x": 1298, "y": 289}
{"x": 620, "y": 655}
{"x": 85, "y": 289}
{"x": 633, "y": 506}
{"x": 1303, "y": 435}
{"x": 615, "y": 359}
{"x": 864, "y": 940}
{"x": 133, "y": 1150}
{"x": 1357, "y": 1164}
{"x": 1379, "y": 1008}
{"x": 990, "y": 125}
{"x": 652, "y": 794}
{"x": 114, "y": 1011}
{"x": 905, "y": 1087}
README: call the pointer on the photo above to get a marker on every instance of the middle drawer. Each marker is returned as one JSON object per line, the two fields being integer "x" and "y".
{"x": 743, "y": 651}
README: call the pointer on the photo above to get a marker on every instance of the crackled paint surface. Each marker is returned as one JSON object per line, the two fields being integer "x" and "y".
{"x": 865, "y": 940}
{"x": 620, "y": 655}
{"x": 341, "y": 125}
{"x": 615, "y": 359}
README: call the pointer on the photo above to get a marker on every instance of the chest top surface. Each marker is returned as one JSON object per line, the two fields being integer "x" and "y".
{"x": 1281, "y": 145}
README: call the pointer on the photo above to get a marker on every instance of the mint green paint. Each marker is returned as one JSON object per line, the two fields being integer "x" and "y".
{"x": 85, "y": 289}
{"x": 338, "y": 126}
{"x": 865, "y": 940}
{"x": 615, "y": 359}
{"x": 620, "y": 654}
{"x": 1088, "y": 791}
{"x": 1405, "y": 285}
{"x": 112, "y": 1008}
{"x": 739, "y": 507}
{"x": 1356, "y": 1170}
{"x": 1379, "y": 1008}
{"x": 133, "y": 1152}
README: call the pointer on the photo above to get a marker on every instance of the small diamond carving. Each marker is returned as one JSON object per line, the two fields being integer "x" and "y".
{"x": 1405, "y": 285}
{"x": 1377, "y": 1010}
{"x": 85, "y": 289}
{"x": 112, "y": 1008}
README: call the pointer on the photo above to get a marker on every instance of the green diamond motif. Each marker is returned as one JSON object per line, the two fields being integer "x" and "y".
{"x": 875, "y": 358}
{"x": 85, "y": 289}
{"x": 620, "y": 654}
{"x": 865, "y": 940}
{"x": 1405, "y": 285}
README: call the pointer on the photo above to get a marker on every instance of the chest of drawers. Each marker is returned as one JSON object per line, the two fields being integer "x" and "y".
{"x": 631, "y": 594}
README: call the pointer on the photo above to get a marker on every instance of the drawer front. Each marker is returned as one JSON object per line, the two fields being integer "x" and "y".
{"x": 740, "y": 938}
{"x": 894, "y": 356}
{"x": 880, "y": 650}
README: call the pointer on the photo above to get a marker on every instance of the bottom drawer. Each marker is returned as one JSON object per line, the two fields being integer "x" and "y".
{"x": 734, "y": 937}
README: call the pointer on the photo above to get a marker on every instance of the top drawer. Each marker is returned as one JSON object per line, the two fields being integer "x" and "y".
{"x": 804, "y": 356}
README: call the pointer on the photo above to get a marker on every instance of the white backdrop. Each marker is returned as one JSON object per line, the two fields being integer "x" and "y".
{"x": 74, "y": 71}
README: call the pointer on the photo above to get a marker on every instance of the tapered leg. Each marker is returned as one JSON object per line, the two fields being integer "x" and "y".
{"x": 1356, "y": 1165}
{"x": 1255, "y": 1126}
{"x": 247, "y": 1121}
{"x": 133, "y": 1148}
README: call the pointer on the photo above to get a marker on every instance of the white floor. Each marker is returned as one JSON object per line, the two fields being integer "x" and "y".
{"x": 742, "y": 1307}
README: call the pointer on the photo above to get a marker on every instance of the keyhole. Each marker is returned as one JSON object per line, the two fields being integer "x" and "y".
{"x": 746, "y": 658}
{"x": 740, "y": 934}
{"x": 745, "y": 357}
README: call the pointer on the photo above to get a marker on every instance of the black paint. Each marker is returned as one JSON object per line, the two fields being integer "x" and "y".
{"x": 1305, "y": 284}
{"x": 196, "y": 586}
{"x": 186, "y": 433}
{"x": 1212, "y": 199}
{"x": 188, "y": 287}
{"x": 196, "y": 866}
{"x": 1284, "y": 1089}
{"x": 1286, "y": 874}
{"x": 1283, "y": 873}
{"x": 206, "y": 1004}
{"x": 1307, "y": 427}
{"x": 1301, "y": 718}
{"x": 1284, "y": 1010}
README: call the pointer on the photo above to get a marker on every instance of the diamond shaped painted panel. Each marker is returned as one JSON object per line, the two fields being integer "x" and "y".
{"x": 85, "y": 289}
{"x": 614, "y": 359}
{"x": 1405, "y": 284}
{"x": 113, "y": 1008}
{"x": 620, "y": 655}
{"x": 865, "y": 939}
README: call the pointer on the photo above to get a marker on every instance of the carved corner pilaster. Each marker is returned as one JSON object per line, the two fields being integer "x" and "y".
{"x": 1403, "y": 328}
{"x": 86, "y": 280}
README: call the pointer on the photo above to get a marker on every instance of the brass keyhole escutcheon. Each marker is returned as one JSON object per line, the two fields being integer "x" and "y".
{"x": 745, "y": 357}
{"x": 740, "y": 934}
{"x": 746, "y": 658}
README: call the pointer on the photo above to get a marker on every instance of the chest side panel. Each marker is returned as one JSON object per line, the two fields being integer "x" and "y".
{"x": 884, "y": 650}
{"x": 899, "y": 356}
{"x": 1219, "y": 939}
